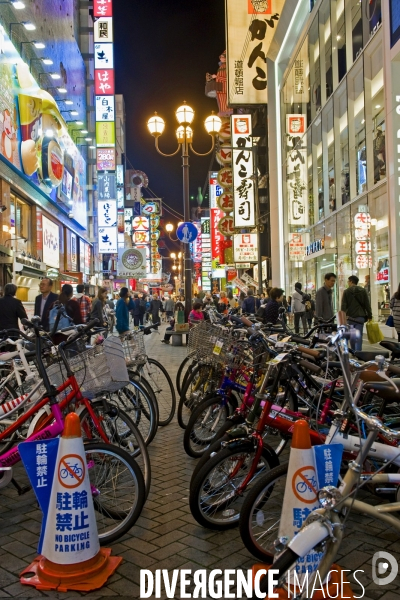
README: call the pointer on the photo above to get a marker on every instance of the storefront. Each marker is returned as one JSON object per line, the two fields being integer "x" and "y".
{"x": 334, "y": 185}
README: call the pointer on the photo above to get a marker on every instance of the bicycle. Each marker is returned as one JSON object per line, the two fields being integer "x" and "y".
{"x": 117, "y": 482}
{"x": 322, "y": 530}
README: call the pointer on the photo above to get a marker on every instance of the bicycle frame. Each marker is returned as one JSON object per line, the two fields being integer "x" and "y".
{"x": 74, "y": 395}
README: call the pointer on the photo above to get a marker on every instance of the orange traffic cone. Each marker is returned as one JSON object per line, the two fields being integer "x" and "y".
{"x": 71, "y": 555}
{"x": 299, "y": 500}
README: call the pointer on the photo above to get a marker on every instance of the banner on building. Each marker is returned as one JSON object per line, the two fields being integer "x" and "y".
{"x": 296, "y": 88}
{"x": 243, "y": 171}
{"x": 51, "y": 243}
{"x": 298, "y": 243}
{"x": 250, "y": 27}
{"x": 245, "y": 248}
{"x": 296, "y": 169}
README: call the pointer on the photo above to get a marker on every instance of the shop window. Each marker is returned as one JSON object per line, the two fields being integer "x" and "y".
{"x": 329, "y": 156}
{"x": 356, "y": 27}
{"x": 375, "y": 103}
{"x": 357, "y": 128}
{"x": 382, "y": 286}
{"x": 373, "y": 13}
{"x": 311, "y": 203}
{"x": 344, "y": 244}
{"x": 341, "y": 129}
{"x": 20, "y": 224}
{"x": 326, "y": 44}
{"x": 341, "y": 39}
{"x": 315, "y": 70}
{"x": 318, "y": 161}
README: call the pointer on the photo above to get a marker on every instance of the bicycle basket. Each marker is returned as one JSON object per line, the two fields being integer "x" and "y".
{"x": 134, "y": 349}
{"x": 101, "y": 368}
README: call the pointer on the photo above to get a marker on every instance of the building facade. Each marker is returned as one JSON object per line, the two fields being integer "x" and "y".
{"x": 332, "y": 181}
{"x": 44, "y": 167}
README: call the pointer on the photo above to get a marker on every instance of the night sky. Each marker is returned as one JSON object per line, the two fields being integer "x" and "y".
{"x": 163, "y": 50}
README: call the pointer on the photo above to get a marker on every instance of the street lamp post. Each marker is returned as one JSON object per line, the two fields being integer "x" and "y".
{"x": 184, "y": 133}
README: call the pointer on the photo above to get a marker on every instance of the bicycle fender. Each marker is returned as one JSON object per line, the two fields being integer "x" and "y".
{"x": 45, "y": 411}
{"x": 247, "y": 445}
{"x": 239, "y": 444}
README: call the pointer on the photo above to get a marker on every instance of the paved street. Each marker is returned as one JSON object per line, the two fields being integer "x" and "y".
{"x": 166, "y": 536}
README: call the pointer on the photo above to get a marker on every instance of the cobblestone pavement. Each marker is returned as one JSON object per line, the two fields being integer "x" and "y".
{"x": 166, "y": 536}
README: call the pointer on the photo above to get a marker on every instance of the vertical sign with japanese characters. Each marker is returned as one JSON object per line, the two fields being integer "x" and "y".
{"x": 206, "y": 265}
{"x": 243, "y": 171}
{"x": 250, "y": 27}
{"x": 296, "y": 169}
{"x": 104, "y": 81}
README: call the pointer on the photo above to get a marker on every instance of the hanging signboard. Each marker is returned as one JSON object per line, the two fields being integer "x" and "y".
{"x": 296, "y": 169}
{"x": 103, "y": 30}
{"x": 107, "y": 213}
{"x": 298, "y": 243}
{"x": 108, "y": 240}
{"x": 102, "y": 8}
{"x": 245, "y": 248}
{"x": 51, "y": 243}
{"x": 132, "y": 263}
{"x": 250, "y": 27}
{"x": 105, "y": 108}
{"x": 243, "y": 171}
{"x": 106, "y": 159}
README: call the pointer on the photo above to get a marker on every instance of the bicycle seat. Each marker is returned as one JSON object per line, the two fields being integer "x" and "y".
{"x": 366, "y": 356}
{"x": 384, "y": 390}
{"x": 393, "y": 347}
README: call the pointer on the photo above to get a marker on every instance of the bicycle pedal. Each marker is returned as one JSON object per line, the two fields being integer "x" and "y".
{"x": 21, "y": 490}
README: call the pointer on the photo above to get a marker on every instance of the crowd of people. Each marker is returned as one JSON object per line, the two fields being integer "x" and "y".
{"x": 133, "y": 308}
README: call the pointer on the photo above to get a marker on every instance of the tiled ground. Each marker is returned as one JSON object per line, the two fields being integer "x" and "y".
{"x": 166, "y": 536}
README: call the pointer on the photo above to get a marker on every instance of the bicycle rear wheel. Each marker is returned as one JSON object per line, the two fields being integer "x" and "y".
{"x": 200, "y": 382}
{"x": 205, "y": 422}
{"x": 138, "y": 404}
{"x": 156, "y": 375}
{"x": 186, "y": 365}
{"x": 118, "y": 490}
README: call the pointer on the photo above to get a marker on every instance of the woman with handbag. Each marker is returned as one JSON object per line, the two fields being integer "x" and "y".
{"x": 395, "y": 308}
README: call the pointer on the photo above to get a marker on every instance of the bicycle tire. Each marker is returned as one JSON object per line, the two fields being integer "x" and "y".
{"x": 196, "y": 388}
{"x": 261, "y": 512}
{"x": 161, "y": 384}
{"x": 137, "y": 402}
{"x": 111, "y": 470}
{"x": 187, "y": 362}
{"x": 203, "y": 425}
{"x": 131, "y": 440}
{"x": 223, "y": 511}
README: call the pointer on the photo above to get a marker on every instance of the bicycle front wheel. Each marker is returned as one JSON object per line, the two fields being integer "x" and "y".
{"x": 205, "y": 422}
{"x": 156, "y": 375}
{"x": 118, "y": 490}
{"x": 120, "y": 430}
{"x": 137, "y": 403}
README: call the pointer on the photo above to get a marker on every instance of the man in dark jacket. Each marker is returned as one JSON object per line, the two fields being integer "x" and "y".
{"x": 324, "y": 298}
{"x": 45, "y": 301}
{"x": 270, "y": 312}
{"x": 11, "y": 309}
{"x": 137, "y": 311}
{"x": 250, "y": 304}
{"x": 356, "y": 305}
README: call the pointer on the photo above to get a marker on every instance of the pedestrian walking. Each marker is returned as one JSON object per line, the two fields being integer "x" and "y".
{"x": 169, "y": 308}
{"x": 11, "y": 309}
{"x": 155, "y": 307}
{"x": 137, "y": 311}
{"x": 324, "y": 298}
{"x": 299, "y": 309}
{"x": 269, "y": 312}
{"x": 395, "y": 308}
{"x": 310, "y": 311}
{"x": 71, "y": 308}
{"x": 249, "y": 304}
{"x": 45, "y": 301}
{"x": 98, "y": 307}
{"x": 85, "y": 303}
{"x": 124, "y": 305}
{"x": 356, "y": 305}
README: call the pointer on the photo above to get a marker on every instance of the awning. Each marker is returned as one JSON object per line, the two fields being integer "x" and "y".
{"x": 67, "y": 277}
